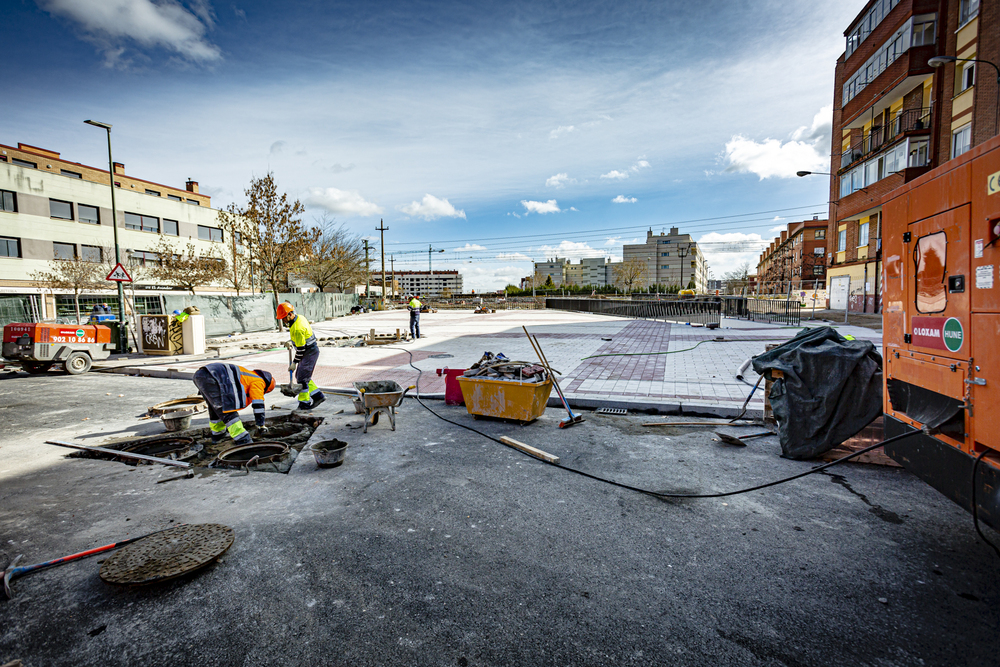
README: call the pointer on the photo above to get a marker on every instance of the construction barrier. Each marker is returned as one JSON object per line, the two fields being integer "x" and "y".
{"x": 244, "y": 314}
{"x": 700, "y": 311}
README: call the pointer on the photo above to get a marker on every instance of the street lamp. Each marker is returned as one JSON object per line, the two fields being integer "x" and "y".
{"x": 938, "y": 61}
{"x": 800, "y": 174}
{"x": 122, "y": 325}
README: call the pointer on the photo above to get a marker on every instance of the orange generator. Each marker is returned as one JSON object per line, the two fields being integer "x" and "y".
{"x": 941, "y": 328}
{"x": 39, "y": 346}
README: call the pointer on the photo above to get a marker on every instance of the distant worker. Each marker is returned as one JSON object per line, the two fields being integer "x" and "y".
{"x": 414, "y": 307}
{"x": 227, "y": 389}
{"x": 306, "y": 356}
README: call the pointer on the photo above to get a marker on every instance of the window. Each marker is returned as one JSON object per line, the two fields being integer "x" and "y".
{"x": 143, "y": 258}
{"x": 961, "y": 140}
{"x": 88, "y": 214}
{"x": 863, "y": 235}
{"x": 8, "y": 201}
{"x": 143, "y": 223}
{"x": 968, "y": 77}
{"x": 930, "y": 255}
{"x": 195, "y": 202}
{"x": 820, "y": 234}
{"x": 170, "y": 227}
{"x": 923, "y": 33}
{"x": 868, "y": 23}
{"x": 819, "y": 251}
{"x": 665, "y": 266}
{"x": 65, "y": 251}
{"x": 91, "y": 253}
{"x": 10, "y": 247}
{"x": 209, "y": 233}
{"x": 818, "y": 270}
{"x": 63, "y": 210}
{"x": 918, "y": 152}
{"x": 967, "y": 10}
{"x": 664, "y": 254}
{"x": 842, "y": 240}
{"x": 175, "y": 198}
{"x": 152, "y": 192}
{"x": 23, "y": 163}
{"x": 71, "y": 174}
{"x": 915, "y": 32}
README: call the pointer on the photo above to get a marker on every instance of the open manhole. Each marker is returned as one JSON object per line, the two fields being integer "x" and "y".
{"x": 242, "y": 455}
{"x": 170, "y": 447}
{"x": 289, "y": 432}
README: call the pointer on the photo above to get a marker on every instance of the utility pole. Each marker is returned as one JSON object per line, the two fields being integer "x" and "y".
{"x": 368, "y": 272}
{"x": 392, "y": 267}
{"x": 382, "y": 229}
{"x": 682, "y": 253}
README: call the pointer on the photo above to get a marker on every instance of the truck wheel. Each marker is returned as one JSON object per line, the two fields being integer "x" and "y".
{"x": 78, "y": 363}
{"x": 36, "y": 367}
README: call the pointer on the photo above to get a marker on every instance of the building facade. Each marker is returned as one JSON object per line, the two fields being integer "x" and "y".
{"x": 899, "y": 113}
{"x": 796, "y": 260}
{"x": 671, "y": 259}
{"x": 554, "y": 268}
{"x": 52, "y": 209}
{"x": 438, "y": 283}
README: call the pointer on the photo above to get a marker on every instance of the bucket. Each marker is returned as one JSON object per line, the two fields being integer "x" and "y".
{"x": 176, "y": 422}
{"x": 452, "y": 389}
{"x": 329, "y": 453}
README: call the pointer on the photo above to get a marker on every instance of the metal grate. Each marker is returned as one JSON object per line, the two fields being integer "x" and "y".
{"x": 612, "y": 411}
{"x": 172, "y": 553}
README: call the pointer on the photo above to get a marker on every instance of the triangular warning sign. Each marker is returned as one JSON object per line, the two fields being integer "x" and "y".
{"x": 119, "y": 274}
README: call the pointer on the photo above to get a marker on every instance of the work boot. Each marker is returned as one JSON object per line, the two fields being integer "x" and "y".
{"x": 317, "y": 399}
{"x": 305, "y": 405}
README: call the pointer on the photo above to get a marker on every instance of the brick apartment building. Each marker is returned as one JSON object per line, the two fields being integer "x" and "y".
{"x": 898, "y": 113}
{"x": 796, "y": 260}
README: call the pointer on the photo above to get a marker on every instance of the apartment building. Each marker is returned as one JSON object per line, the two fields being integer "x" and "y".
{"x": 554, "y": 268}
{"x": 52, "y": 209}
{"x": 426, "y": 282}
{"x": 796, "y": 260}
{"x": 670, "y": 259}
{"x": 900, "y": 109}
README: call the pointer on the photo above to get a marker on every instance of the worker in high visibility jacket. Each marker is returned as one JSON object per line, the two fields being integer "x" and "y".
{"x": 306, "y": 356}
{"x": 414, "y": 307}
{"x": 227, "y": 389}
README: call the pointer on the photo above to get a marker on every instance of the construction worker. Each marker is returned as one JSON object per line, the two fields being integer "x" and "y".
{"x": 227, "y": 389}
{"x": 414, "y": 307}
{"x": 306, "y": 356}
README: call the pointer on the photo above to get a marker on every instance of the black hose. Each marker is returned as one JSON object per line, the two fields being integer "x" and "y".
{"x": 647, "y": 492}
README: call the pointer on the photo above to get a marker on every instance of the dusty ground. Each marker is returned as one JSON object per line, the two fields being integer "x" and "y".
{"x": 434, "y": 546}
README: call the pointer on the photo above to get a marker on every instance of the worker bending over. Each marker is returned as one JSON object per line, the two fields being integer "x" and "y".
{"x": 306, "y": 356}
{"x": 414, "y": 307}
{"x": 227, "y": 389}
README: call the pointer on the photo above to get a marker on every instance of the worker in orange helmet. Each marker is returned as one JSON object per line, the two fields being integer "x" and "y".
{"x": 306, "y": 356}
{"x": 227, "y": 389}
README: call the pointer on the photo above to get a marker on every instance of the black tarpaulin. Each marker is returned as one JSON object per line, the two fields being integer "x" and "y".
{"x": 831, "y": 389}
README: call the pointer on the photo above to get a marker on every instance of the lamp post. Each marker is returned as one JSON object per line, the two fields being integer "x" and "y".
{"x": 122, "y": 324}
{"x": 800, "y": 174}
{"x": 938, "y": 61}
{"x": 682, "y": 253}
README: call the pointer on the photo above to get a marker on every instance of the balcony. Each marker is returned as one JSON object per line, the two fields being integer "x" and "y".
{"x": 909, "y": 121}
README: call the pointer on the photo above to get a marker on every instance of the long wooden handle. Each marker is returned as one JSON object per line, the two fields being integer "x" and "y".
{"x": 115, "y": 452}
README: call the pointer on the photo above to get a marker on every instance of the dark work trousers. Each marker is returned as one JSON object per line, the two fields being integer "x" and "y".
{"x": 304, "y": 370}
{"x": 415, "y": 323}
{"x": 209, "y": 390}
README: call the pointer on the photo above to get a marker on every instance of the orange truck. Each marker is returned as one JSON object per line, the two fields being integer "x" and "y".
{"x": 39, "y": 346}
{"x": 941, "y": 328}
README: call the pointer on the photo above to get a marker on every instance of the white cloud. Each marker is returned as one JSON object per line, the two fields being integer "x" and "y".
{"x": 622, "y": 199}
{"x": 514, "y": 257}
{"x": 550, "y": 206}
{"x": 469, "y": 247}
{"x": 558, "y": 181}
{"x": 806, "y": 151}
{"x": 613, "y": 240}
{"x": 641, "y": 164}
{"x": 723, "y": 259}
{"x": 344, "y": 202}
{"x": 614, "y": 174}
{"x": 111, "y": 24}
{"x": 570, "y": 249}
{"x": 562, "y": 129}
{"x": 778, "y": 229}
{"x": 432, "y": 208}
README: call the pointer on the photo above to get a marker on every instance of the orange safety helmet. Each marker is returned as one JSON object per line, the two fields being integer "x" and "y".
{"x": 284, "y": 309}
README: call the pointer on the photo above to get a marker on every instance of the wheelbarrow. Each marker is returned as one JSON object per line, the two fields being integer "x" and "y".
{"x": 379, "y": 396}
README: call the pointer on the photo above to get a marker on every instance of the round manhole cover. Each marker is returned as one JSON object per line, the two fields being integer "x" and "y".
{"x": 169, "y": 554}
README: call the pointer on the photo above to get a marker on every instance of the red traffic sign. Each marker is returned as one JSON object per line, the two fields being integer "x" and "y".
{"x": 119, "y": 274}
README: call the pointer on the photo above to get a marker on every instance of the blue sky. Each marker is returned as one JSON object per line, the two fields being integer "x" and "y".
{"x": 501, "y": 132}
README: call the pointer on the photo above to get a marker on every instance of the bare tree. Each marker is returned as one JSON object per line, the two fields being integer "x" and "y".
{"x": 74, "y": 274}
{"x": 185, "y": 267}
{"x": 736, "y": 279}
{"x": 275, "y": 232}
{"x": 628, "y": 273}
{"x": 239, "y": 248}
{"x": 334, "y": 258}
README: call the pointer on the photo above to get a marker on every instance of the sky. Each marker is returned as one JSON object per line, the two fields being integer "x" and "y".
{"x": 502, "y": 133}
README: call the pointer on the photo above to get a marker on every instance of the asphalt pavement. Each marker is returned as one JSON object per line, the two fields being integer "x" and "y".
{"x": 433, "y": 545}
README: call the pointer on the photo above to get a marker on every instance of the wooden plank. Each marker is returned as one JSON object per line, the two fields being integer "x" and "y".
{"x": 528, "y": 449}
{"x": 115, "y": 452}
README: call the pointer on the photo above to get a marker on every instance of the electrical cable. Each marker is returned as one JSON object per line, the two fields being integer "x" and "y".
{"x": 975, "y": 508}
{"x": 647, "y": 492}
